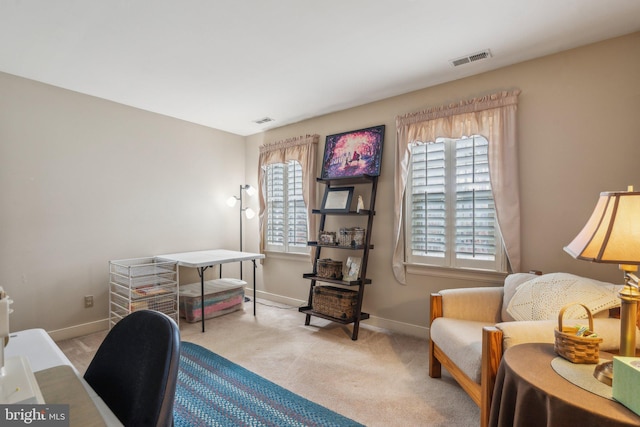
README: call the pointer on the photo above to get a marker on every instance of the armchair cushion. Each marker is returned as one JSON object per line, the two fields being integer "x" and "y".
{"x": 542, "y": 298}
{"x": 461, "y": 340}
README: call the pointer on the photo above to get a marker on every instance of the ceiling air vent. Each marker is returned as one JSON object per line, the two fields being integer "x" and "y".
{"x": 263, "y": 120}
{"x": 478, "y": 56}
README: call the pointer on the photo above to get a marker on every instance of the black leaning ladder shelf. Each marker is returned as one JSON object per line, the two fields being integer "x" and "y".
{"x": 364, "y": 249}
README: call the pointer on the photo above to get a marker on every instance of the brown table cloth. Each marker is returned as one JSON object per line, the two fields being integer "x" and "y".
{"x": 529, "y": 392}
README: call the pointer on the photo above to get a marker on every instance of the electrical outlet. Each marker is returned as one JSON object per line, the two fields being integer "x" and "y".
{"x": 88, "y": 301}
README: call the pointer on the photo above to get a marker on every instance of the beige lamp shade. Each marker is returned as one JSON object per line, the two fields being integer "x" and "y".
{"x": 612, "y": 234}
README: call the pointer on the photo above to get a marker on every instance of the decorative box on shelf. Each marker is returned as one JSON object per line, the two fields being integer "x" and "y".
{"x": 327, "y": 238}
{"x": 335, "y": 302}
{"x": 329, "y": 269}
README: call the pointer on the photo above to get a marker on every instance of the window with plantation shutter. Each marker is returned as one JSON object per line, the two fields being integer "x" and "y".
{"x": 286, "y": 224}
{"x": 450, "y": 211}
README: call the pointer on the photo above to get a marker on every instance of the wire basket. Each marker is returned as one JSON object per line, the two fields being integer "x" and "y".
{"x": 575, "y": 348}
{"x": 351, "y": 236}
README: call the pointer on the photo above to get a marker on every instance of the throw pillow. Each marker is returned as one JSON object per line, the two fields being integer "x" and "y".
{"x": 511, "y": 284}
{"x": 543, "y": 297}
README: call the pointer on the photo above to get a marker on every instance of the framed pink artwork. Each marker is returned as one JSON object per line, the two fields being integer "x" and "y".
{"x": 353, "y": 153}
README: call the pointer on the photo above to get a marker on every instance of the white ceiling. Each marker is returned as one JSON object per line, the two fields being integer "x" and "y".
{"x": 226, "y": 63}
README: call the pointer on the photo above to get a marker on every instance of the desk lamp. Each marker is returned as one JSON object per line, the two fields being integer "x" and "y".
{"x": 612, "y": 235}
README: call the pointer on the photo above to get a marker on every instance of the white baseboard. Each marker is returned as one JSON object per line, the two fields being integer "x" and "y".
{"x": 276, "y": 298}
{"x": 79, "y": 330}
{"x": 399, "y": 327}
{"x": 374, "y": 321}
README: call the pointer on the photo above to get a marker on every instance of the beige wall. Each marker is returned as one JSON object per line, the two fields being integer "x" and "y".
{"x": 579, "y": 134}
{"x": 84, "y": 181}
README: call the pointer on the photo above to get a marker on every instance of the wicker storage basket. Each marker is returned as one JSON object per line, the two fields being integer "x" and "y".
{"x": 335, "y": 302}
{"x": 574, "y": 348}
{"x": 329, "y": 269}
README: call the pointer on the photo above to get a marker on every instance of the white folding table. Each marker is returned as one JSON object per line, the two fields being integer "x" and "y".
{"x": 201, "y": 260}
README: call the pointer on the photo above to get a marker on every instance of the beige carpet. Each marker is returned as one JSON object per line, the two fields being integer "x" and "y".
{"x": 379, "y": 380}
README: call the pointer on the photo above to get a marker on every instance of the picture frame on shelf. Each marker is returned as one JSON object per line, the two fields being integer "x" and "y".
{"x": 351, "y": 269}
{"x": 353, "y": 153}
{"x": 337, "y": 200}
{"x": 327, "y": 238}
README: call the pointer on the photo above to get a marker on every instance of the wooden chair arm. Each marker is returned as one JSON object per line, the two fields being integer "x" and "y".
{"x": 435, "y": 303}
{"x": 491, "y": 357}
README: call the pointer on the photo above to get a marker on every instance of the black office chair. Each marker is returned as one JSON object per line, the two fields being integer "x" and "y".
{"x": 135, "y": 369}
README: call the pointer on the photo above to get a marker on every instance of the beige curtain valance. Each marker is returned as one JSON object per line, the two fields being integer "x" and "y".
{"x": 302, "y": 149}
{"x": 492, "y": 116}
{"x": 282, "y": 146}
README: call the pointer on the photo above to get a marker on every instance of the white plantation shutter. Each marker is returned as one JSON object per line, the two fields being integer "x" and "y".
{"x": 450, "y": 206}
{"x": 475, "y": 223}
{"x": 428, "y": 203}
{"x": 286, "y": 229}
{"x": 275, "y": 205}
{"x": 296, "y": 208}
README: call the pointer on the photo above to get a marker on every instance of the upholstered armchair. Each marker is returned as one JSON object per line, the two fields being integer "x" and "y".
{"x": 471, "y": 328}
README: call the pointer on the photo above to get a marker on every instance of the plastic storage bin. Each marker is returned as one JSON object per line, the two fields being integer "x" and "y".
{"x": 221, "y": 296}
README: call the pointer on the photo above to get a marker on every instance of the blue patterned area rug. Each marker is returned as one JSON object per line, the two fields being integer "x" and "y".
{"x": 213, "y": 391}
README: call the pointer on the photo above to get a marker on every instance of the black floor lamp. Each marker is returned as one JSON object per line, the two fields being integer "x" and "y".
{"x": 248, "y": 212}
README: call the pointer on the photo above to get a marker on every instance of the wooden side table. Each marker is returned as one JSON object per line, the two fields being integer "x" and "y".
{"x": 528, "y": 392}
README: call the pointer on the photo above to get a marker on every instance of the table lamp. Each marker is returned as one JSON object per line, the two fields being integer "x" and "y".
{"x": 612, "y": 235}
